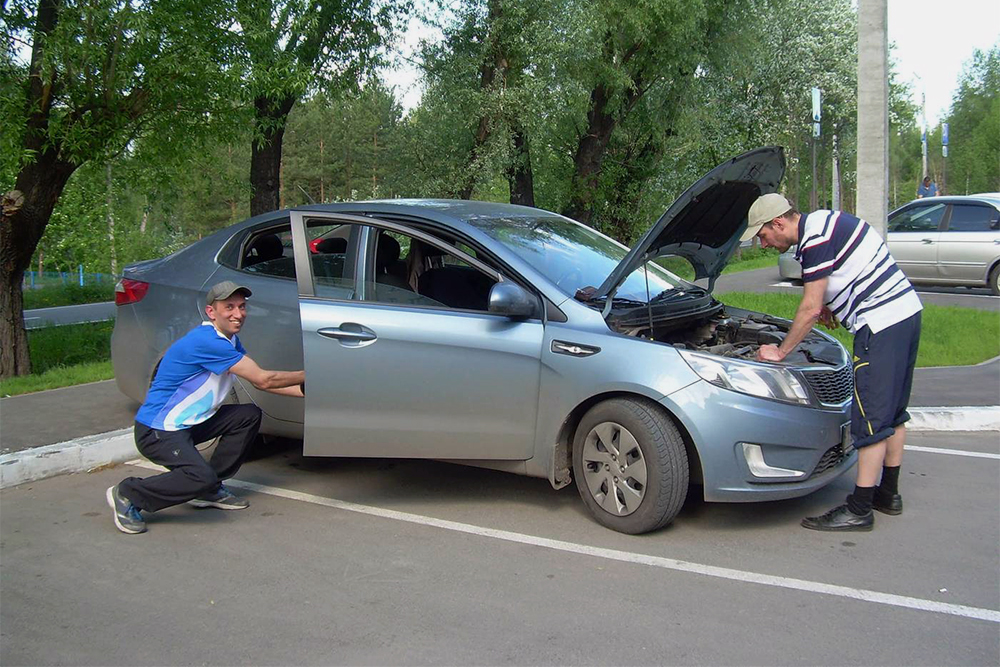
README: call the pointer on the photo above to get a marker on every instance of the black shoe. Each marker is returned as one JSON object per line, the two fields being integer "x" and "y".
{"x": 127, "y": 516}
{"x": 223, "y": 499}
{"x": 887, "y": 503}
{"x": 840, "y": 518}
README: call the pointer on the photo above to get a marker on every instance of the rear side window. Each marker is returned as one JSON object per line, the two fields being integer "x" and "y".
{"x": 918, "y": 219}
{"x": 974, "y": 218}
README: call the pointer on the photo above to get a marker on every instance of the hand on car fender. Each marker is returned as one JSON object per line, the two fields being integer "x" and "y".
{"x": 769, "y": 353}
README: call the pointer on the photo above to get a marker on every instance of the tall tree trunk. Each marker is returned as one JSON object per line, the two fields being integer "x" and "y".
{"x": 590, "y": 151}
{"x": 265, "y": 159}
{"x": 494, "y": 64}
{"x": 522, "y": 188}
{"x": 25, "y": 211}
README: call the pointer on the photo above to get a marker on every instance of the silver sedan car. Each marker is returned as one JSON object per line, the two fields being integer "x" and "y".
{"x": 939, "y": 241}
{"x": 517, "y": 339}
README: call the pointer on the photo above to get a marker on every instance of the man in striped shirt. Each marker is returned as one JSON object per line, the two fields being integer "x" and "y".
{"x": 850, "y": 277}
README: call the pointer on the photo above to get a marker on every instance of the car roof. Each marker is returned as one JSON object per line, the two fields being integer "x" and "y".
{"x": 991, "y": 198}
{"x": 459, "y": 214}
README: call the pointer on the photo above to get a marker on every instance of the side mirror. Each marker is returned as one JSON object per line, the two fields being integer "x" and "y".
{"x": 512, "y": 300}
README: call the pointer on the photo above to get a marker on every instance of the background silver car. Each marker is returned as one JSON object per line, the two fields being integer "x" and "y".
{"x": 939, "y": 241}
{"x": 520, "y": 340}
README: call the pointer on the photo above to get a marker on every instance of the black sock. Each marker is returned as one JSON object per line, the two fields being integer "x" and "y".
{"x": 860, "y": 502}
{"x": 890, "y": 480}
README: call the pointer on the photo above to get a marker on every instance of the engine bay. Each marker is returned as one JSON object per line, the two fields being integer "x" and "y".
{"x": 733, "y": 332}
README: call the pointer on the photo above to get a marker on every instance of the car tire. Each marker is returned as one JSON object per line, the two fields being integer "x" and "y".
{"x": 995, "y": 280}
{"x": 651, "y": 481}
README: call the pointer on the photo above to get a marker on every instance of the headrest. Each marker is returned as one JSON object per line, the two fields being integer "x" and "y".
{"x": 264, "y": 248}
{"x": 387, "y": 250}
{"x": 332, "y": 245}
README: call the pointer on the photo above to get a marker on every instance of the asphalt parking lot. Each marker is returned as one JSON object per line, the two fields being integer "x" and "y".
{"x": 355, "y": 561}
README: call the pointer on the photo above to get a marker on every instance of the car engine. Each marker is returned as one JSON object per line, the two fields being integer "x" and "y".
{"x": 740, "y": 333}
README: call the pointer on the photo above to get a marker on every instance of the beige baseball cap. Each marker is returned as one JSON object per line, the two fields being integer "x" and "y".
{"x": 765, "y": 209}
{"x": 224, "y": 290}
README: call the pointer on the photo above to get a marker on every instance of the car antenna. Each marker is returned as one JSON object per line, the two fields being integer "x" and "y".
{"x": 308, "y": 196}
{"x": 649, "y": 306}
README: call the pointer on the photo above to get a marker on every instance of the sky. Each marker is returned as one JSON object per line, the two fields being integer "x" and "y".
{"x": 933, "y": 40}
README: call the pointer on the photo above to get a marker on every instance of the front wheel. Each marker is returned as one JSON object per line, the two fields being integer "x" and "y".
{"x": 630, "y": 465}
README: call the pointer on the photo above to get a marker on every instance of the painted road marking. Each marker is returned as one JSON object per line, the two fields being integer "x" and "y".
{"x": 877, "y": 597}
{"x": 953, "y": 452}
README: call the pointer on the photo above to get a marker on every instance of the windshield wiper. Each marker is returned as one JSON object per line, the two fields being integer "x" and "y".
{"x": 675, "y": 293}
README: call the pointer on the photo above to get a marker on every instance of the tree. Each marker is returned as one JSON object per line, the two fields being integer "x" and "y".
{"x": 101, "y": 74}
{"x": 292, "y": 46}
{"x": 974, "y": 126}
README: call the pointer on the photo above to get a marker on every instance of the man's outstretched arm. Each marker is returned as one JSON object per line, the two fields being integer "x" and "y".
{"x": 809, "y": 312}
{"x": 277, "y": 382}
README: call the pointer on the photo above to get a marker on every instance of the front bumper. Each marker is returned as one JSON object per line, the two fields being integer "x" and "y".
{"x": 807, "y": 443}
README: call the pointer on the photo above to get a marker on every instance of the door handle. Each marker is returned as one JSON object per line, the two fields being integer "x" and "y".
{"x": 928, "y": 241}
{"x": 348, "y": 335}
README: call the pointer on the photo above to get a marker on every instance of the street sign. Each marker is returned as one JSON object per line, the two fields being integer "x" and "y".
{"x": 817, "y": 95}
{"x": 944, "y": 150}
{"x": 944, "y": 134}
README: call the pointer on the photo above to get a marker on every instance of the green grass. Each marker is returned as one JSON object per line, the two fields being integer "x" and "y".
{"x": 67, "y": 295}
{"x": 57, "y": 377}
{"x": 949, "y": 336}
{"x": 750, "y": 259}
{"x": 64, "y": 356}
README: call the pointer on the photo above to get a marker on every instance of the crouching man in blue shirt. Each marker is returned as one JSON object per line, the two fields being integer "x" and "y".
{"x": 184, "y": 407}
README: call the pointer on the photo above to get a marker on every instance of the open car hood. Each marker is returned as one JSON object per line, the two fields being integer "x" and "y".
{"x": 704, "y": 225}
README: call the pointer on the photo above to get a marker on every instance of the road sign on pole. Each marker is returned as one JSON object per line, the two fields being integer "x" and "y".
{"x": 817, "y": 96}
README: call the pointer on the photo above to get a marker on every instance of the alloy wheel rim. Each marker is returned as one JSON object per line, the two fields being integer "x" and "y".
{"x": 614, "y": 469}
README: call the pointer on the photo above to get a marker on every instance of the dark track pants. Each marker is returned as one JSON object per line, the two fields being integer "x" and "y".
{"x": 190, "y": 476}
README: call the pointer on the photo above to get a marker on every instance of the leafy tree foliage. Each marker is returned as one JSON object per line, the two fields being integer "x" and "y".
{"x": 292, "y": 47}
{"x": 101, "y": 74}
{"x": 974, "y": 127}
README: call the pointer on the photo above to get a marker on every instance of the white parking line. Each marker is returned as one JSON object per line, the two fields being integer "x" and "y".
{"x": 919, "y": 604}
{"x": 953, "y": 452}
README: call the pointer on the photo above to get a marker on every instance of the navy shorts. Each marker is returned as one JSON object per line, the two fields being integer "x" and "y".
{"x": 883, "y": 376}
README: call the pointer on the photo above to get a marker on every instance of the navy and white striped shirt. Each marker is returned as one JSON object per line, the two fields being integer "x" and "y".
{"x": 865, "y": 286}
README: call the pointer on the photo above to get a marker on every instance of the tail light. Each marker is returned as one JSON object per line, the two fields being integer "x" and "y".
{"x": 130, "y": 291}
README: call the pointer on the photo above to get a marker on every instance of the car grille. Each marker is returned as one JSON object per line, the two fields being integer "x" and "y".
{"x": 832, "y": 387}
{"x": 831, "y": 459}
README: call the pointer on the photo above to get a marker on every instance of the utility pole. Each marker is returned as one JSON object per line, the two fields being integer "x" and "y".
{"x": 944, "y": 161}
{"x": 836, "y": 177}
{"x": 873, "y": 113}
{"x": 923, "y": 134}
{"x": 817, "y": 114}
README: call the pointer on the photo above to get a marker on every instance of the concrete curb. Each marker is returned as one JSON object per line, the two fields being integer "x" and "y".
{"x": 83, "y": 454}
{"x": 80, "y": 455}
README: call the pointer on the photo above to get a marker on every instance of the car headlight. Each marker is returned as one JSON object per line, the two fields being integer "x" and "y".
{"x": 747, "y": 378}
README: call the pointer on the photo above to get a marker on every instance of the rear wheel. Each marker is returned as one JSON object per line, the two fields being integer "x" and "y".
{"x": 995, "y": 280}
{"x": 630, "y": 465}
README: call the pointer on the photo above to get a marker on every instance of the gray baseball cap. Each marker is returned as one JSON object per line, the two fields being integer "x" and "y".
{"x": 224, "y": 290}
{"x": 764, "y": 210}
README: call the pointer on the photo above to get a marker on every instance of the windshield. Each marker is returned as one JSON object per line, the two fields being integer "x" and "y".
{"x": 573, "y": 255}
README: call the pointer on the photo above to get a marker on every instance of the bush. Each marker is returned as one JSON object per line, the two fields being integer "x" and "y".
{"x": 69, "y": 345}
{"x": 68, "y": 295}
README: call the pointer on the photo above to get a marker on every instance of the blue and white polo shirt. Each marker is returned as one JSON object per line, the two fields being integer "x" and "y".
{"x": 192, "y": 380}
{"x": 865, "y": 286}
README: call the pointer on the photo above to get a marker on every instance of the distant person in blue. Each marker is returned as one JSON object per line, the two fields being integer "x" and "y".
{"x": 184, "y": 407}
{"x": 927, "y": 189}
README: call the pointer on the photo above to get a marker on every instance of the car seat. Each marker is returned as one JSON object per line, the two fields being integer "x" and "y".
{"x": 263, "y": 249}
{"x": 389, "y": 270}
